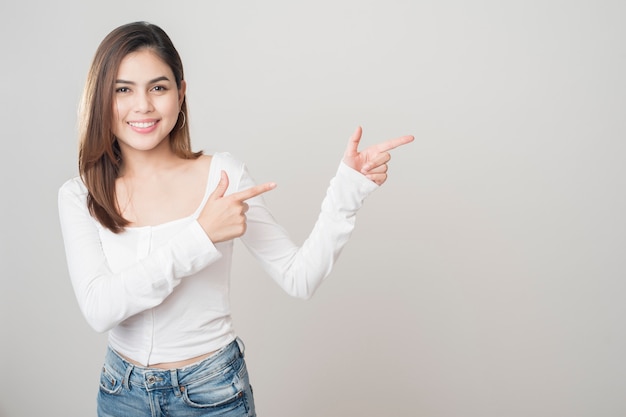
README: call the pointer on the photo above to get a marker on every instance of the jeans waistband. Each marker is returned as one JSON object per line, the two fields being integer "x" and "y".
{"x": 155, "y": 378}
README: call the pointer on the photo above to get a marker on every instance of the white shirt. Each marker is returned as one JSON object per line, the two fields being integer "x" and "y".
{"x": 162, "y": 291}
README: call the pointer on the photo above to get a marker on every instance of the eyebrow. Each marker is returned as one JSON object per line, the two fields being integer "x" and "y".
{"x": 156, "y": 80}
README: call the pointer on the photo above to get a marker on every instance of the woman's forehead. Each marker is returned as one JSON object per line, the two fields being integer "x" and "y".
{"x": 143, "y": 64}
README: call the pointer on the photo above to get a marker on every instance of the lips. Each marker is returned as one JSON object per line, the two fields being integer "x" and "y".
{"x": 144, "y": 127}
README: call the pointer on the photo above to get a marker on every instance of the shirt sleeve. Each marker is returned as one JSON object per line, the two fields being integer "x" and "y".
{"x": 300, "y": 270}
{"x": 107, "y": 298}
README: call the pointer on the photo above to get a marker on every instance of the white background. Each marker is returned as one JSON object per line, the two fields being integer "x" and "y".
{"x": 486, "y": 278}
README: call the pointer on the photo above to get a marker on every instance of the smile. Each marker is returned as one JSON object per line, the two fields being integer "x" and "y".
{"x": 142, "y": 125}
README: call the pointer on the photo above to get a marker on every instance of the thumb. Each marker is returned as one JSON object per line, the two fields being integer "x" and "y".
{"x": 221, "y": 188}
{"x": 353, "y": 143}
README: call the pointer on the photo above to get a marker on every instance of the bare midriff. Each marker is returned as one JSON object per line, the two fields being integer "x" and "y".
{"x": 170, "y": 365}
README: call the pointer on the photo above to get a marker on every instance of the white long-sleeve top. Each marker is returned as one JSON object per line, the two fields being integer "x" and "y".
{"x": 162, "y": 291}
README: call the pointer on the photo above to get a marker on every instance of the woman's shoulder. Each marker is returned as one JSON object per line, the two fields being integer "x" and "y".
{"x": 219, "y": 161}
{"x": 73, "y": 187}
{"x": 73, "y": 192}
{"x": 225, "y": 161}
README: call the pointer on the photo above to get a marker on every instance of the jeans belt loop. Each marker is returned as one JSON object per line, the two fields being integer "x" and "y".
{"x": 126, "y": 382}
{"x": 174, "y": 376}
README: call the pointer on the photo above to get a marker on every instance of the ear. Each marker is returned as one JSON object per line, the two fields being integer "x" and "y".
{"x": 181, "y": 92}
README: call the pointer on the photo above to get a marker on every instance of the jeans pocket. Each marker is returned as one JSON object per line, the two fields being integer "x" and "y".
{"x": 109, "y": 382}
{"x": 225, "y": 390}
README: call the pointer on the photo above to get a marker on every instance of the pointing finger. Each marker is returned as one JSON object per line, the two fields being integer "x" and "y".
{"x": 393, "y": 143}
{"x": 253, "y": 191}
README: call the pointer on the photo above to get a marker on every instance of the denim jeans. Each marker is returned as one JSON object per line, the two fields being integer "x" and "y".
{"x": 215, "y": 386}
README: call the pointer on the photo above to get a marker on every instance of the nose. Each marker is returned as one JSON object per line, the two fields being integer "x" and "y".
{"x": 143, "y": 104}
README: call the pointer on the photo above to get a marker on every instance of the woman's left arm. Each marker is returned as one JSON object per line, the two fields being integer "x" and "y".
{"x": 300, "y": 270}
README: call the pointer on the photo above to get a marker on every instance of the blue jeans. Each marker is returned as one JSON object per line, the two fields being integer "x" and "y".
{"x": 215, "y": 386}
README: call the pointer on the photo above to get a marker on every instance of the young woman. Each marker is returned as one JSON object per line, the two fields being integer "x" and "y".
{"x": 149, "y": 225}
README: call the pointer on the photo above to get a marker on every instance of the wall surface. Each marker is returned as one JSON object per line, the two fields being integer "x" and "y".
{"x": 487, "y": 277}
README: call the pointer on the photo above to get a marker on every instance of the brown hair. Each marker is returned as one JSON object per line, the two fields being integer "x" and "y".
{"x": 100, "y": 157}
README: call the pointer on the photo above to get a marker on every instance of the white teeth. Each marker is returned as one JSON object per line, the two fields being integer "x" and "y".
{"x": 141, "y": 125}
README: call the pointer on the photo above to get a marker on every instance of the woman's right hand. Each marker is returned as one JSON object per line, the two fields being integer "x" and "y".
{"x": 224, "y": 217}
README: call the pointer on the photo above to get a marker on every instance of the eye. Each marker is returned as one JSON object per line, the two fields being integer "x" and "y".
{"x": 159, "y": 88}
{"x": 122, "y": 90}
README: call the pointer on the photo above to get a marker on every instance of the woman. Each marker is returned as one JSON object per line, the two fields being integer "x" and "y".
{"x": 149, "y": 227}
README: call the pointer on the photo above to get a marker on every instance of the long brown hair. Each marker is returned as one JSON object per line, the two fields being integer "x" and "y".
{"x": 100, "y": 157}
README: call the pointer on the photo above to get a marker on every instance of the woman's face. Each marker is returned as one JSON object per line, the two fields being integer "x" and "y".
{"x": 146, "y": 102}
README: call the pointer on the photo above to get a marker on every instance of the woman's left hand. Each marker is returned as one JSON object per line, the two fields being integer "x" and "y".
{"x": 372, "y": 161}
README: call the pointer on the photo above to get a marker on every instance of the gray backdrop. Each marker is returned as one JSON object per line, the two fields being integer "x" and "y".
{"x": 486, "y": 278}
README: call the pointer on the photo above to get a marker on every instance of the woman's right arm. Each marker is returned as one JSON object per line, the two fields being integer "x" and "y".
{"x": 107, "y": 298}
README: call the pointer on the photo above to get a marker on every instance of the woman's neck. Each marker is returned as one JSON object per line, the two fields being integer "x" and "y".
{"x": 142, "y": 164}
